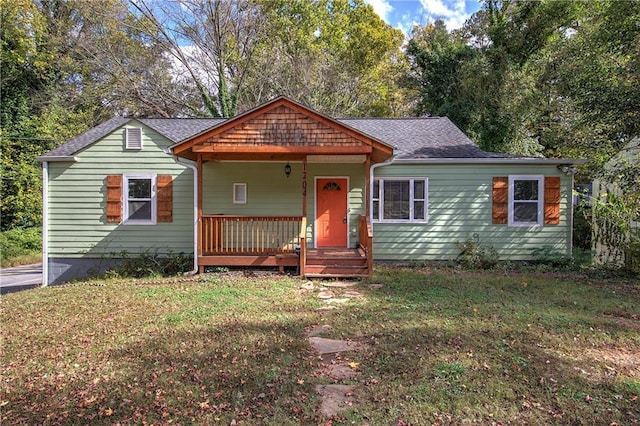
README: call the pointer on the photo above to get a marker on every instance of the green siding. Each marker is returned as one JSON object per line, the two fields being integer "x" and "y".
{"x": 460, "y": 207}
{"x": 76, "y": 206}
{"x": 271, "y": 193}
{"x": 459, "y": 203}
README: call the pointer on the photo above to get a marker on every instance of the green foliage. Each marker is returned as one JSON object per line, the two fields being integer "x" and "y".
{"x": 548, "y": 256}
{"x": 20, "y": 242}
{"x": 475, "y": 256}
{"x": 616, "y": 233}
{"x": 582, "y": 230}
{"x": 536, "y": 78}
{"x": 150, "y": 264}
{"x": 337, "y": 57}
{"x": 441, "y": 63}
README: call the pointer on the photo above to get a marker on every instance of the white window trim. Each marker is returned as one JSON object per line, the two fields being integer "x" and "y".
{"x": 125, "y": 197}
{"x": 412, "y": 200}
{"x": 237, "y": 200}
{"x": 129, "y": 133}
{"x": 539, "y": 202}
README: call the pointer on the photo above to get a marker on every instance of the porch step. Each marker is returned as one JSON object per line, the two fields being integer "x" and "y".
{"x": 336, "y": 263}
{"x": 312, "y": 261}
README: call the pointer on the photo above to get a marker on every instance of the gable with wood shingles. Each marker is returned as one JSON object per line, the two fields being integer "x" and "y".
{"x": 281, "y": 128}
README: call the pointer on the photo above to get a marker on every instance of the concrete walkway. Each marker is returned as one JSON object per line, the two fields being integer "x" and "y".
{"x": 20, "y": 278}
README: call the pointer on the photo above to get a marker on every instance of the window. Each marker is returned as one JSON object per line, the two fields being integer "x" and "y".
{"x": 526, "y": 200}
{"x": 399, "y": 200}
{"x": 239, "y": 193}
{"x": 140, "y": 203}
{"x": 133, "y": 136}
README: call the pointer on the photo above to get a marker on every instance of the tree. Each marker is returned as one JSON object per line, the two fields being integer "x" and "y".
{"x": 440, "y": 64}
{"x": 211, "y": 42}
{"x": 65, "y": 67}
{"x": 337, "y": 57}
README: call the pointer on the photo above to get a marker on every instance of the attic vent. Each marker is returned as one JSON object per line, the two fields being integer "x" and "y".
{"x": 134, "y": 138}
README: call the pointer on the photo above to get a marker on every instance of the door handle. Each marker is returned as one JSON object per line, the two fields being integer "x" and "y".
{"x": 344, "y": 220}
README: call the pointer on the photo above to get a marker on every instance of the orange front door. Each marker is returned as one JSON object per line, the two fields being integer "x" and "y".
{"x": 331, "y": 212}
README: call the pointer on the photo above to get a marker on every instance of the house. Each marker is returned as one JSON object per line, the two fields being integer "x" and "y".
{"x": 616, "y": 238}
{"x": 284, "y": 186}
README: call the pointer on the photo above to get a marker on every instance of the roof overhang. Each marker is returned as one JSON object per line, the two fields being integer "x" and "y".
{"x": 57, "y": 158}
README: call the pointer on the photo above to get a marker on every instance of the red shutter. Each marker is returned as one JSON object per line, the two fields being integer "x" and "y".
{"x": 114, "y": 199}
{"x": 165, "y": 198}
{"x": 500, "y": 200}
{"x": 551, "y": 200}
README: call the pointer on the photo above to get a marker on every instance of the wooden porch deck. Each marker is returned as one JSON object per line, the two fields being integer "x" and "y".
{"x": 325, "y": 263}
{"x": 279, "y": 242}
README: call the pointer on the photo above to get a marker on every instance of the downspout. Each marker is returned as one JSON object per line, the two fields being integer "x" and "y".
{"x": 371, "y": 170}
{"x": 45, "y": 222}
{"x": 194, "y": 169}
{"x": 571, "y": 207}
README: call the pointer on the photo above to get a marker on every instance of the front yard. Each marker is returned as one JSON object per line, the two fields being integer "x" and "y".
{"x": 439, "y": 347}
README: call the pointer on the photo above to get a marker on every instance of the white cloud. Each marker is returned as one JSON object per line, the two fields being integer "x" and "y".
{"x": 382, "y": 8}
{"x": 407, "y": 23}
{"x": 452, "y": 12}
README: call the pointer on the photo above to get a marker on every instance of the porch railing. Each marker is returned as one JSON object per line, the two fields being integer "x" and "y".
{"x": 365, "y": 236}
{"x": 250, "y": 235}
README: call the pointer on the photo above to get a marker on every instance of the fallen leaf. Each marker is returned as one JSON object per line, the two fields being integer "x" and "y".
{"x": 108, "y": 412}
{"x": 354, "y": 365}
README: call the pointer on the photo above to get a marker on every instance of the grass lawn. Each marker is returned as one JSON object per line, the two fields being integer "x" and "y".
{"x": 441, "y": 347}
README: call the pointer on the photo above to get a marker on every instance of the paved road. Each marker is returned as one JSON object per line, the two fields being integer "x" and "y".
{"x": 20, "y": 278}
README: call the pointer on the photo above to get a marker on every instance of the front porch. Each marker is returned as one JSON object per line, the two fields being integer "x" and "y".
{"x": 280, "y": 241}
{"x": 283, "y": 186}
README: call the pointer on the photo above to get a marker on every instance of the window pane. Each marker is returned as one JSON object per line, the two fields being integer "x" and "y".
{"x": 525, "y": 190}
{"x": 396, "y": 200}
{"x": 376, "y": 209}
{"x": 376, "y": 189}
{"x": 525, "y": 212}
{"x": 139, "y": 188}
{"x": 240, "y": 193}
{"x": 418, "y": 210}
{"x": 418, "y": 189}
{"x": 140, "y": 210}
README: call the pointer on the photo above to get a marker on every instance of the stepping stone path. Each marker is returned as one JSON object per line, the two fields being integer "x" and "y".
{"x": 338, "y": 396}
{"x": 335, "y": 398}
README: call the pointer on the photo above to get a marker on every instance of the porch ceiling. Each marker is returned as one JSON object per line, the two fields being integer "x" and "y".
{"x": 281, "y": 130}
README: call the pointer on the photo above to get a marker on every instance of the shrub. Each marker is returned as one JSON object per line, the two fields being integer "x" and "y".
{"x": 473, "y": 255}
{"x": 582, "y": 230}
{"x": 20, "y": 242}
{"x": 548, "y": 256}
{"x": 150, "y": 264}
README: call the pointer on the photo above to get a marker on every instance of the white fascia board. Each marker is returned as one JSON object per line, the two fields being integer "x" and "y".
{"x": 58, "y": 158}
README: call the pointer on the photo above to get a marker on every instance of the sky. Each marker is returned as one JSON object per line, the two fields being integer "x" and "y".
{"x": 404, "y": 14}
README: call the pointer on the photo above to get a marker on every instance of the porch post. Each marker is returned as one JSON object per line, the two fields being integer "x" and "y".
{"x": 304, "y": 186}
{"x": 367, "y": 186}
{"x": 303, "y": 231}
{"x": 200, "y": 192}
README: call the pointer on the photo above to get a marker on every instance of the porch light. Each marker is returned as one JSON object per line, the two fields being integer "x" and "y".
{"x": 287, "y": 170}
